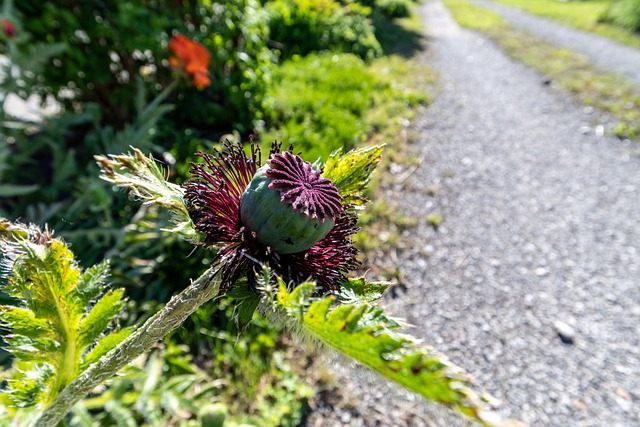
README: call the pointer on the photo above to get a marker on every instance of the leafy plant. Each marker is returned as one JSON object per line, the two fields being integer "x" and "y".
{"x": 319, "y": 102}
{"x": 299, "y": 27}
{"x": 364, "y": 333}
{"x": 353, "y": 326}
{"x": 624, "y": 13}
{"x": 61, "y": 320}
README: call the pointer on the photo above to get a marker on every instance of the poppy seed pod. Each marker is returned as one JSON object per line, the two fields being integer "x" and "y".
{"x": 289, "y": 205}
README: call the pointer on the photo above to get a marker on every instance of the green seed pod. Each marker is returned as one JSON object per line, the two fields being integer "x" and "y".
{"x": 289, "y": 205}
{"x": 213, "y": 415}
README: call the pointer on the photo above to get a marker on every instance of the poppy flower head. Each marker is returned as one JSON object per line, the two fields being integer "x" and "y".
{"x": 192, "y": 58}
{"x": 217, "y": 203}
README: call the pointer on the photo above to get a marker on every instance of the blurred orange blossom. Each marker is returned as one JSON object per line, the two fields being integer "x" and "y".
{"x": 192, "y": 57}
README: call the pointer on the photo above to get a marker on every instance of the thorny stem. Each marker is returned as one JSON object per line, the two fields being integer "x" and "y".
{"x": 153, "y": 330}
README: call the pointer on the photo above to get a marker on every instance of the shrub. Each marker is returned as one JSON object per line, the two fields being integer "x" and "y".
{"x": 624, "y": 13}
{"x": 318, "y": 102}
{"x": 388, "y": 9}
{"x": 298, "y": 27}
{"x": 394, "y": 8}
{"x": 110, "y": 43}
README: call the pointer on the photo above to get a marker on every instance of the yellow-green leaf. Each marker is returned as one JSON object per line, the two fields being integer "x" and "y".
{"x": 351, "y": 172}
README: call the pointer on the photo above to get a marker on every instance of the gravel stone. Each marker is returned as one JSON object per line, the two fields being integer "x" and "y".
{"x": 541, "y": 222}
{"x": 566, "y": 333}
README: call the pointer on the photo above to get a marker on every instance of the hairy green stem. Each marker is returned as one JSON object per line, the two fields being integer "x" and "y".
{"x": 153, "y": 330}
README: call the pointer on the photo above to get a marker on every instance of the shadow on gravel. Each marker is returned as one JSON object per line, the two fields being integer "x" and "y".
{"x": 397, "y": 40}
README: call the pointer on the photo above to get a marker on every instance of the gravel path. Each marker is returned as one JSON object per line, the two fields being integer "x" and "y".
{"x": 601, "y": 51}
{"x": 540, "y": 238}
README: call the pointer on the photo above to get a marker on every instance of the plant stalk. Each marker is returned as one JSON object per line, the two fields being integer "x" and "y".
{"x": 153, "y": 330}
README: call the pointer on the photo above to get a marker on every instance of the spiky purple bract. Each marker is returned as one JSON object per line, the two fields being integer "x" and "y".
{"x": 213, "y": 200}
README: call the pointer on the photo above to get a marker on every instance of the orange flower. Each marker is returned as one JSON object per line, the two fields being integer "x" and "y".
{"x": 192, "y": 57}
{"x": 8, "y": 28}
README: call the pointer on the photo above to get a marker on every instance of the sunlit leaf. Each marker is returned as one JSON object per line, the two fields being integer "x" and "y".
{"x": 351, "y": 171}
{"x": 105, "y": 345}
{"x": 363, "y": 332}
{"x": 95, "y": 322}
{"x": 54, "y": 319}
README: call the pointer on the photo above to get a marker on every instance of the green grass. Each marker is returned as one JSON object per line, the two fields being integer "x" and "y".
{"x": 569, "y": 70}
{"x": 583, "y": 15}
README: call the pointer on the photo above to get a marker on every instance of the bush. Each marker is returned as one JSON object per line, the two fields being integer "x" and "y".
{"x": 298, "y": 27}
{"x": 624, "y": 13}
{"x": 394, "y": 8}
{"x": 319, "y": 102}
{"x": 388, "y": 9}
{"x": 110, "y": 43}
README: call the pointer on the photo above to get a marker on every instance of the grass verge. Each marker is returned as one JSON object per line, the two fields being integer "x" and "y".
{"x": 583, "y": 15}
{"x": 569, "y": 70}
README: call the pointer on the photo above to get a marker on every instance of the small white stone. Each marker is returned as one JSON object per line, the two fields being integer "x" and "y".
{"x": 565, "y": 332}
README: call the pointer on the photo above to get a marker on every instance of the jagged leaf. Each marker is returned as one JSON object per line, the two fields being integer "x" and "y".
{"x": 103, "y": 346}
{"x": 52, "y": 323}
{"x": 91, "y": 282}
{"x": 359, "y": 290}
{"x": 364, "y": 333}
{"x": 22, "y": 321}
{"x": 144, "y": 179}
{"x": 351, "y": 172}
{"x": 94, "y": 323}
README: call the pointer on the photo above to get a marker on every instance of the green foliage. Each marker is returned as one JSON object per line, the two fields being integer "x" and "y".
{"x": 61, "y": 318}
{"x": 236, "y": 34}
{"x": 111, "y": 43}
{"x": 164, "y": 387}
{"x": 351, "y": 172}
{"x": 363, "y": 332}
{"x": 299, "y": 27}
{"x": 394, "y": 8}
{"x": 319, "y": 103}
{"x": 624, "y": 13}
{"x": 246, "y": 360}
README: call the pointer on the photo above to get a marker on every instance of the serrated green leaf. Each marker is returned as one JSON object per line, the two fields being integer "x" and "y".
{"x": 52, "y": 324}
{"x": 106, "y": 344}
{"x": 359, "y": 290}
{"x": 246, "y": 304}
{"x": 32, "y": 349}
{"x": 364, "y": 333}
{"x": 122, "y": 416}
{"x": 94, "y": 323}
{"x": 22, "y": 321}
{"x": 91, "y": 282}
{"x": 351, "y": 172}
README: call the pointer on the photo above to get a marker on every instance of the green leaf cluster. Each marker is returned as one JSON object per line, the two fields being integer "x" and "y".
{"x": 351, "y": 172}
{"x": 61, "y": 320}
{"x": 363, "y": 332}
{"x": 299, "y": 27}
